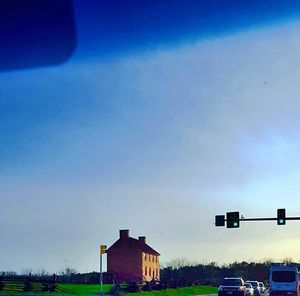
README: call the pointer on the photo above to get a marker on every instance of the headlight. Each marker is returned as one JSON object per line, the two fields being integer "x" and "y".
{"x": 220, "y": 288}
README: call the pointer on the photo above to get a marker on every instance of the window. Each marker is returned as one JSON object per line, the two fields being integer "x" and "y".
{"x": 145, "y": 270}
{"x": 232, "y": 282}
{"x": 253, "y": 284}
{"x": 150, "y": 271}
{"x": 284, "y": 276}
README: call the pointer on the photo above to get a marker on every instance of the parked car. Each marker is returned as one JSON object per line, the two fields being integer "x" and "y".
{"x": 261, "y": 287}
{"x": 232, "y": 287}
{"x": 255, "y": 286}
{"x": 249, "y": 289}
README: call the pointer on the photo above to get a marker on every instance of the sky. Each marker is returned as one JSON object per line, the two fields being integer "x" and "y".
{"x": 157, "y": 139}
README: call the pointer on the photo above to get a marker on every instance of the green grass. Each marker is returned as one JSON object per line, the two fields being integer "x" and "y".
{"x": 196, "y": 290}
{"x": 81, "y": 289}
{"x": 67, "y": 289}
{"x": 94, "y": 289}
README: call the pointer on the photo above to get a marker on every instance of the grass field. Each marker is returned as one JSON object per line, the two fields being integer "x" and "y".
{"x": 81, "y": 289}
{"x": 91, "y": 289}
{"x": 196, "y": 290}
{"x": 65, "y": 289}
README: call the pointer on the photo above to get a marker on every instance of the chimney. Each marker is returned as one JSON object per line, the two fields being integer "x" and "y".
{"x": 142, "y": 239}
{"x": 124, "y": 234}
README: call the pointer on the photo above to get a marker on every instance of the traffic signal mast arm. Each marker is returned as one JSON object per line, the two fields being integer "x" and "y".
{"x": 233, "y": 219}
{"x": 267, "y": 219}
{"x": 258, "y": 219}
{"x": 292, "y": 218}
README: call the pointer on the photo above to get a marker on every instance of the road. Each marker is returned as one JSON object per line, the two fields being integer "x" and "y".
{"x": 265, "y": 294}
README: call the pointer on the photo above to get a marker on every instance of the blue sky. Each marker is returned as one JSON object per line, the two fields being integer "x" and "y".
{"x": 156, "y": 139}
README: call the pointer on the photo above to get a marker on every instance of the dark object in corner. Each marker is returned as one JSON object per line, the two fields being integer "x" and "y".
{"x": 35, "y": 33}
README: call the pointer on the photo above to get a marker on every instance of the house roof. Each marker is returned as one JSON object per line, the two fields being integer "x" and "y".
{"x": 134, "y": 243}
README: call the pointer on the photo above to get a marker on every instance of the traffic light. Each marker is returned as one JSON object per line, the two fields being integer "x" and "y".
{"x": 233, "y": 219}
{"x": 220, "y": 220}
{"x": 281, "y": 217}
{"x": 103, "y": 249}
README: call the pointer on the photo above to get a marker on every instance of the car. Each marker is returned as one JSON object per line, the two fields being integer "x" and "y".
{"x": 232, "y": 286}
{"x": 249, "y": 289}
{"x": 255, "y": 286}
{"x": 261, "y": 288}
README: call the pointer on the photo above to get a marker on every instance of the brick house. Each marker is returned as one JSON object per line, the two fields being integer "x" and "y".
{"x": 132, "y": 259}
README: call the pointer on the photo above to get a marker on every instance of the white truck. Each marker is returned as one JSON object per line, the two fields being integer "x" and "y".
{"x": 284, "y": 280}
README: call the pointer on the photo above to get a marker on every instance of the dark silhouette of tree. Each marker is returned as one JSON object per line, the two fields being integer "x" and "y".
{"x": 213, "y": 274}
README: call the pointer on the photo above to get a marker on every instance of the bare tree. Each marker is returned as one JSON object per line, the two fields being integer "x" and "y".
{"x": 26, "y": 271}
{"x": 68, "y": 271}
{"x": 287, "y": 260}
{"x": 267, "y": 261}
{"x": 178, "y": 263}
{"x": 42, "y": 272}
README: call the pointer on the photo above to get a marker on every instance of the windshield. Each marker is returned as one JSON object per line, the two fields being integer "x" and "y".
{"x": 231, "y": 282}
{"x": 158, "y": 115}
{"x": 248, "y": 285}
{"x": 283, "y": 276}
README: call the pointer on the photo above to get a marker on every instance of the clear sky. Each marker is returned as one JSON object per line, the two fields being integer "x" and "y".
{"x": 158, "y": 140}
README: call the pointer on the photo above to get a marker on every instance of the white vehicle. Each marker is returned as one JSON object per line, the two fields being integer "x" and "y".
{"x": 284, "y": 280}
{"x": 261, "y": 288}
{"x": 249, "y": 289}
{"x": 232, "y": 287}
{"x": 255, "y": 287}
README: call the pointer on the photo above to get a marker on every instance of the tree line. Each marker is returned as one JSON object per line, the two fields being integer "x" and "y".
{"x": 178, "y": 269}
{"x": 213, "y": 274}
